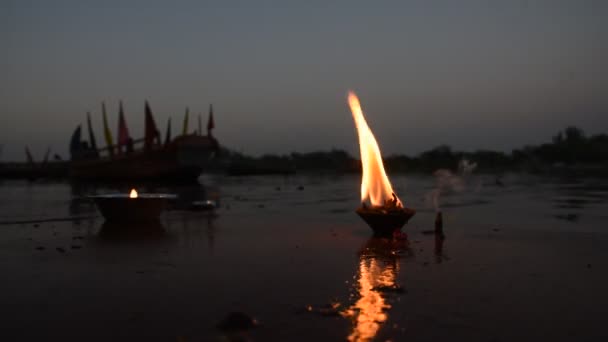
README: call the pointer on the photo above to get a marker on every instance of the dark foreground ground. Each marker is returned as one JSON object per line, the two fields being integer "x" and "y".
{"x": 524, "y": 262}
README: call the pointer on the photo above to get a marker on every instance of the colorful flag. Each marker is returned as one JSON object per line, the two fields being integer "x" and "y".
{"x": 151, "y": 132}
{"x": 106, "y": 131}
{"x": 210, "y": 123}
{"x": 185, "y": 130}
{"x": 123, "y": 131}
{"x": 168, "y": 135}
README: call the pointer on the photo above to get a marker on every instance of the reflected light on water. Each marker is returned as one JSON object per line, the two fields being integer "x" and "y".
{"x": 377, "y": 273}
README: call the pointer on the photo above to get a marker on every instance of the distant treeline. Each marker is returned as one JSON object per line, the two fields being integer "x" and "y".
{"x": 569, "y": 148}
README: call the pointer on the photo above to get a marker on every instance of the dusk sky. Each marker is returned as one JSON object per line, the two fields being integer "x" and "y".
{"x": 471, "y": 74}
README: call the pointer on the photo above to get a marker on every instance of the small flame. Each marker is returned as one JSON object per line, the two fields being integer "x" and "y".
{"x": 133, "y": 193}
{"x": 375, "y": 185}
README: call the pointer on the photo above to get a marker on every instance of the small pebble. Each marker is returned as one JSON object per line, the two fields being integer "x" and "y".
{"x": 40, "y": 248}
{"x": 301, "y": 187}
{"x": 76, "y": 247}
{"x": 60, "y": 250}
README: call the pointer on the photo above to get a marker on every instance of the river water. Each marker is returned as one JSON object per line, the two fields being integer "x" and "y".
{"x": 522, "y": 259}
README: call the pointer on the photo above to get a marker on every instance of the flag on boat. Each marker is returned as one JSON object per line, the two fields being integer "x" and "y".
{"x": 46, "y": 155}
{"x": 28, "y": 155}
{"x": 185, "y": 130}
{"x": 123, "y": 131}
{"x": 168, "y": 134}
{"x": 106, "y": 130}
{"x": 92, "y": 140}
{"x": 151, "y": 133}
{"x": 75, "y": 145}
{"x": 200, "y": 125}
{"x": 210, "y": 123}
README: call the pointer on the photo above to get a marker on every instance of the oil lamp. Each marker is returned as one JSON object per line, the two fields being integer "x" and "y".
{"x": 381, "y": 209}
{"x": 132, "y": 207}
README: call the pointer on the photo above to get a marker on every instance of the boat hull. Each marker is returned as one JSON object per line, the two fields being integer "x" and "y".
{"x": 181, "y": 161}
{"x": 140, "y": 168}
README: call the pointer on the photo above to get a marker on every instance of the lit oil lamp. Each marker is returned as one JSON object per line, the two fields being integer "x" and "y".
{"x": 133, "y": 207}
{"x": 381, "y": 209}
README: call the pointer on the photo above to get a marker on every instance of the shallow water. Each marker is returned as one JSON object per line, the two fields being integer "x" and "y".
{"x": 291, "y": 253}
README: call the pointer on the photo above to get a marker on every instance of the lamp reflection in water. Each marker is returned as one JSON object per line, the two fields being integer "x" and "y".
{"x": 376, "y": 285}
{"x": 132, "y": 231}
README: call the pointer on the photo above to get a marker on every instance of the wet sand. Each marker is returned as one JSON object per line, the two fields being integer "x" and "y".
{"x": 524, "y": 262}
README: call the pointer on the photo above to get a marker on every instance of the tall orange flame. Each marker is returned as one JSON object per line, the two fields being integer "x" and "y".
{"x": 375, "y": 185}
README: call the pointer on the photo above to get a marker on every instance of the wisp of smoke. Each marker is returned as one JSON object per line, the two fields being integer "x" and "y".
{"x": 446, "y": 181}
{"x": 465, "y": 167}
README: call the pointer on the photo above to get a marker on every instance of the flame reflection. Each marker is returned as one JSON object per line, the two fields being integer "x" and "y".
{"x": 132, "y": 231}
{"x": 376, "y": 285}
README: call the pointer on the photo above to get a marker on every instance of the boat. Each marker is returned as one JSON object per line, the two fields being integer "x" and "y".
{"x": 181, "y": 159}
{"x": 31, "y": 170}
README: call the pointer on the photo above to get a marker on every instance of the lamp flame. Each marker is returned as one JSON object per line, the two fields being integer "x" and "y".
{"x": 375, "y": 185}
{"x": 133, "y": 193}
